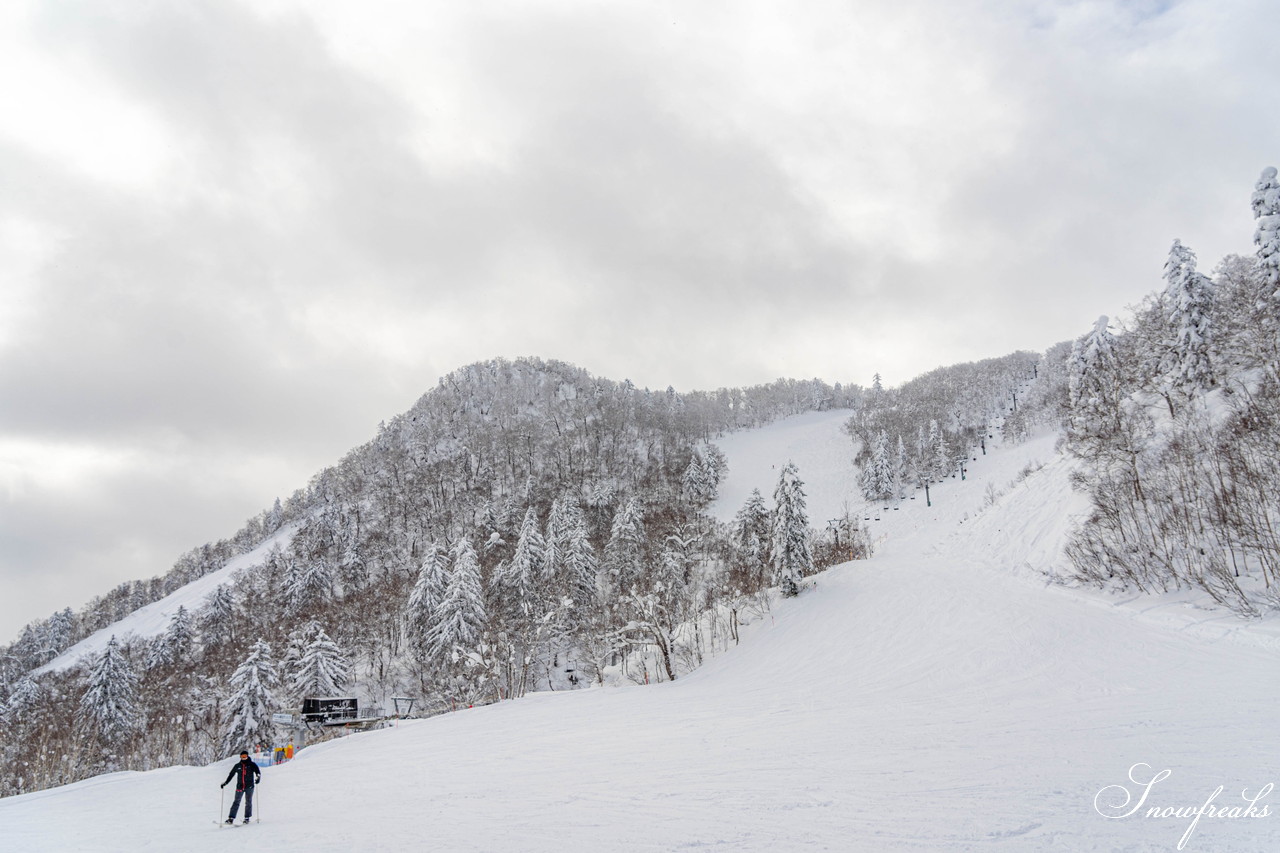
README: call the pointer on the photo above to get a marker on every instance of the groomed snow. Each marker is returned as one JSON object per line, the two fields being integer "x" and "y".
{"x": 937, "y": 697}
{"x": 815, "y": 441}
{"x": 153, "y": 619}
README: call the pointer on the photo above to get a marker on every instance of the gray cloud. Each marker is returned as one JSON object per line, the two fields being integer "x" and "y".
{"x": 327, "y": 225}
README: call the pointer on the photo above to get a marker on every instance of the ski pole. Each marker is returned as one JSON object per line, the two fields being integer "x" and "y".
{"x": 222, "y": 801}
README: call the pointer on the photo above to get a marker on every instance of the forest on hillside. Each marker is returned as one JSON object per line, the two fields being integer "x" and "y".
{"x": 1175, "y": 418}
{"x": 1172, "y": 416}
{"x": 523, "y": 526}
{"x": 526, "y": 526}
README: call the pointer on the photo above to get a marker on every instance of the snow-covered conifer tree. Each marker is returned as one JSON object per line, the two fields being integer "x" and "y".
{"x": 624, "y": 552}
{"x": 923, "y": 448}
{"x": 274, "y": 518}
{"x": 182, "y": 633}
{"x": 792, "y": 559}
{"x": 176, "y": 643}
{"x": 323, "y": 669}
{"x": 426, "y": 596}
{"x": 489, "y": 518}
{"x": 940, "y": 464}
{"x": 25, "y": 696}
{"x": 714, "y": 465}
{"x": 554, "y": 540}
{"x": 1189, "y": 297}
{"x": 109, "y": 704}
{"x": 294, "y": 648}
{"x": 308, "y": 584}
{"x": 901, "y": 469}
{"x": 933, "y": 453}
{"x": 672, "y": 566}
{"x": 461, "y": 616}
{"x": 288, "y": 569}
{"x": 751, "y": 532}
{"x": 579, "y": 561}
{"x": 1092, "y": 389}
{"x": 700, "y": 480}
{"x": 518, "y": 579}
{"x": 353, "y": 571}
{"x": 254, "y": 700}
{"x": 57, "y": 635}
{"x": 217, "y": 617}
{"x": 877, "y": 479}
{"x": 1266, "y": 210}
{"x": 570, "y": 565}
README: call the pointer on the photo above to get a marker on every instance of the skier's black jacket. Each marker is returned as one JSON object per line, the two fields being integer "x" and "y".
{"x": 249, "y": 774}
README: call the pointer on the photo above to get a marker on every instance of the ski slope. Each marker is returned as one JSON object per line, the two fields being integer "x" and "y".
{"x": 154, "y": 618}
{"x": 937, "y": 697}
{"x": 815, "y": 441}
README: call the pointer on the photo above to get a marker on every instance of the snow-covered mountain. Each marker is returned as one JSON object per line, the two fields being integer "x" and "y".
{"x": 939, "y": 696}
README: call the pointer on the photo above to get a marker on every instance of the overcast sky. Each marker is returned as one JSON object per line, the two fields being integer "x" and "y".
{"x": 236, "y": 236}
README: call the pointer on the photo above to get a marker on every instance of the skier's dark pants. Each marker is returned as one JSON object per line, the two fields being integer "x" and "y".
{"x": 247, "y": 793}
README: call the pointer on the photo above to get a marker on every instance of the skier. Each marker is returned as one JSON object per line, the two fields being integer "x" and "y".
{"x": 249, "y": 775}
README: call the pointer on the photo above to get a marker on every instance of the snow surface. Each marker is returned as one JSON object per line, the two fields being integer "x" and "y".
{"x": 937, "y": 697}
{"x": 153, "y": 619}
{"x": 815, "y": 441}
